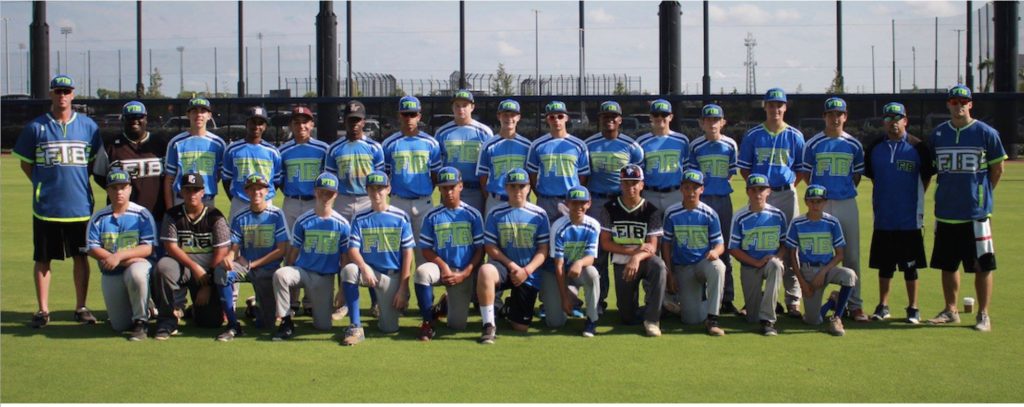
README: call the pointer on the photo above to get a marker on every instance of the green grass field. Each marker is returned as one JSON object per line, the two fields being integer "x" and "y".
{"x": 878, "y": 362}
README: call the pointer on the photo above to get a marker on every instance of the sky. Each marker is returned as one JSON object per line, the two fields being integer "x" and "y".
{"x": 796, "y": 41}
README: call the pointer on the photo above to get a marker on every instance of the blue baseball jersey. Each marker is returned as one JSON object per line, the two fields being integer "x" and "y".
{"x": 517, "y": 232}
{"x": 60, "y": 155}
{"x": 832, "y": 162}
{"x": 302, "y": 163}
{"x": 692, "y": 232}
{"x": 125, "y": 231}
{"x": 460, "y": 148}
{"x": 607, "y": 157}
{"x": 380, "y": 237}
{"x": 815, "y": 240}
{"x": 962, "y": 158}
{"x": 321, "y": 241}
{"x": 558, "y": 163}
{"x": 409, "y": 160}
{"x": 454, "y": 234}
{"x": 498, "y": 156}
{"x": 898, "y": 170}
{"x": 776, "y": 155}
{"x": 662, "y": 157}
{"x": 242, "y": 159}
{"x": 258, "y": 233}
{"x": 351, "y": 161}
{"x": 193, "y": 153}
{"x": 717, "y": 160}
{"x": 572, "y": 242}
{"x": 759, "y": 234}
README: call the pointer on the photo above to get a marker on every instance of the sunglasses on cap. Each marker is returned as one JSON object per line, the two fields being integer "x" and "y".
{"x": 892, "y": 118}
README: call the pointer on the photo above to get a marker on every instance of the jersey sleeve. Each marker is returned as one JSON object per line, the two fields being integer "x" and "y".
{"x": 533, "y": 159}
{"x": 605, "y": 219}
{"x": 684, "y": 153}
{"x": 558, "y": 244}
{"x": 483, "y": 161}
{"x": 924, "y": 151}
{"x": 745, "y": 158}
{"x": 994, "y": 151}
{"x": 543, "y": 230}
{"x": 668, "y": 232}
{"x": 592, "y": 242}
{"x": 345, "y": 241}
{"x": 868, "y": 171}
{"x": 298, "y": 235}
{"x": 25, "y": 147}
{"x": 655, "y": 227}
{"x": 378, "y": 158}
{"x": 838, "y": 240}
{"x": 477, "y": 227}
{"x": 797, "y": 152}
{"x": 92, "y": 235}
{"x": 278, "y": 169}
{"x": 329, "y": 161}
{"x": 807, "y": 162}
{"x": 236, "y": 230}
{"x": 733, "y": 167}
{"x": 858, "y": 159}
{"x": 408, "y": 240}
{"x": 221, "y": 232}
{"x": 583, "y": 162}
{"x": 171, "y": 160}
{"x": 792, "y": 239}
{"x": 427, "y": 236}
{"x": 147, "y": 228}
{"x": 389, "y": 161}
{"x": 636, "y": 154}
{"x": 96, "y": 144}
{"x": 491, "y": 230}
{"x": 435, "y": 158}
{"x": 100, "y": 164}
{"x": 714, "y": 229}
{"x": 736, "y": 237}
{"x": 168, "y": 230}
{"x": 280, "y": 228}
{"x": 227, "y": 171}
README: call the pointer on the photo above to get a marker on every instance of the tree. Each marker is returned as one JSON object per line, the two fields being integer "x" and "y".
{"x": 103, "y": 93}
{"x": 799, "y": 88}
{"x": 620, "y": 89}
{"x": 398, "y": 92}
{"x": 155, "y": 82}
{"x": 836, "y": 87}
{"x": 502, "y": 82}
{"x": 310, "y": 94}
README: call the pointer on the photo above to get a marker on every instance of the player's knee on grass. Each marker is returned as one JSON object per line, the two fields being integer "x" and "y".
{"x": 350, "y": 274}
{"x": 427, "y": 274}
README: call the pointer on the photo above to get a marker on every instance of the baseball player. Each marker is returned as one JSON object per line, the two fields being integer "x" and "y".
{"x": 630, "y": 229}
{"x": 693, "y": 245}
{"x": 381, "y": 251}
{"x": 196, "y": 239}
{"x": 501, "y": 154}
{"x": 452, "y": 241}
{"x": 557, "y": 161}
{"x": 252, "y": 155}
{"x": 194, "y": 151}
{"x": 969, "y": 160}
{"x": 56, "y": 150}
{"x": 816, "y": 245}
{"x": 138, "y": 153}
{"x": 460, "y": 141}
{"x": 609, "y": 152}
{"x": 319, "y": 242}
{"x": 664, "y": 151}
{"x": 758, "y": 231}
{"x": 516, "y": 236}
{"x": 302, "y": 160}
{"x": 573, "y": 248}
{"x": 412, "y": 159}
{"x": 897, "y": 164}
{"x": 776, "y": 150}
{"x": 351, "y": 159}
{"x": 121, "y": 238}
{"x": 259, "y": 240}
{"x": 835, "y": 160}
{"x": 714, "y": 154}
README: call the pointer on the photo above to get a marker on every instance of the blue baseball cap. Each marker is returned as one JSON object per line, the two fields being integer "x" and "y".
{"x": 712, "y": 110}
{"x": 449, "y": 176}
{"x": 578, "y": 193}
{"x": 517, "y": 176}
{"x": 757, "y": 180}
{"x": 693, "y": 176}
{"x": 409, "y": 104}
{"x": 377, "y": 178}
{"x": 775, "y": 95}
{"x": 894, "y": 109}
{"x": 631, "y": 172}
{"x": 199, "y": 103}
{"x": 555, "y": 107}
{"x": 256, "y": 179}
{"x": 661, "y": 106}
{"x": 959, "y": 91}
{"x": 133, "y": 109}
{"x": 508, "y": 105}
{"x": 610, "y": 107}
{"x": 118, "y": 176}
{"x": 326, "y": 181}
{"x": 62, "y": 82}
{"x": 835, "y": 105}
{"x": 815, "y": 191}
{"x": 463, "y": 94}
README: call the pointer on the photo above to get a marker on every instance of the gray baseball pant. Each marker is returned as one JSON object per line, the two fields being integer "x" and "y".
{"x": 387, "y": 289}
{"x": 551, "y": 296}
{"x": 837, "y": 275}
{"x": 172, "y": 278}
{"x": 849, "y": 219}
{"x": 263, "y": 286}
{"x": 459, "y": 295}
{"x": 473, "y": 197}
{"x": 550, "y": 205}
{"x": 349, "y": 205}
{"x": 761, "y": 303}
{"x": 722, "y": 204}
{"x": 787, "y": 202}
{"x": 237, "y": 206}
{"x": 691, "y": 288}
{"x": 319, "y": 288}
{"x": 627, "y": 293}
{"x": 293, "y": 208}
{"x": 663, "y": 200}
{"x": 601, "y": 262}
{"x": 416, "y": 209}
{"x": 127, "y": 295}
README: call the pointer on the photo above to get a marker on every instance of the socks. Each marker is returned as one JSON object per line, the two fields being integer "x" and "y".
{"x": 487, "y": 313}
{"x": 844, "y": 296}
{"x": 425, "y": 299}
{"x": 373, "y": 297}
{"x": 352, "y": 301}
{"x": 227, "y": 299}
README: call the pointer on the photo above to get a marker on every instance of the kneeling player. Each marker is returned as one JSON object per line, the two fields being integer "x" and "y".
{"x": 573, "y": 247}
{"x": 452, "y": 241}
{"x": 758, "y": 230}
{"x": 817, "y": 242}
{"x": 516, "y": 237}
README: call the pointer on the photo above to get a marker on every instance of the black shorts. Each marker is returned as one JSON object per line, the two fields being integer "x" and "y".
{"x": 897, "y": 249}
{"x": 520, "y": 303}
{"x": 57, "y": 240}
{"x": 955, "y": 244}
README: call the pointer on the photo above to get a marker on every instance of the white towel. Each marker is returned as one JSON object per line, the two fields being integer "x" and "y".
{"x": 983, "y": 237}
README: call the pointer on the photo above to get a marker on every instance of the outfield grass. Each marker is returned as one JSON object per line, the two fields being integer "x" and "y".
{"x": 877, "y": 362}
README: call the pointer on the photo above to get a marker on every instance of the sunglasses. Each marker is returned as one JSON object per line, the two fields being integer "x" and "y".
{"x": 62, "y": 91}
{"x": 556, "y": 116}
{"x": 659, "y": 114}
{"x": 892, "y": 118}
{"x": 410, "y": 114}
{"x": 959, "y": 102}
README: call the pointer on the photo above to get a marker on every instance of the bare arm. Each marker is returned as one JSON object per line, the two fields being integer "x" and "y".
{"x": 27, "y": 169}
{"x": 168, "y": 198}
{"x": 271, "y": 257}
{"x": 995, "y": 172}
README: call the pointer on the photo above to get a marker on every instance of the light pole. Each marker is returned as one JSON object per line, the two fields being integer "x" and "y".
{"x": 873, "y": 69}
{"x": 536, "y": 50}
{"x": 958, "y": 31}
{"x": 65, "y": 30}
{"x": 913, "y": 53}
{"x": 7, "y": 61}
{"x": 23, "y": 68}
{"x": 260, "y": 36}
{"x": 181, "y": 68}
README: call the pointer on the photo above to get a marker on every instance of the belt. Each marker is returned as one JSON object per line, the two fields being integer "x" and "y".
{"x": 607, "y": 196}
{"x": 786, "y": 187}
{"x": 413, "y": 198}
{"x": 816, "y": 264}
{"x": 386, "y": 272}
{"x": 302, "y": 197}
{"x": 656, "y": 189}
{"x": 499, "y": 197}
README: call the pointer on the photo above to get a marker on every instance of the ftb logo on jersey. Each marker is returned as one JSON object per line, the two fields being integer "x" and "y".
{"x": 964, "y": 160}
{"x": 62, "y": 153}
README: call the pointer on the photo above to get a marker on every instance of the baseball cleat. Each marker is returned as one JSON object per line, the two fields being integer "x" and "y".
{"x": 835, "y": 326}
{"x": 945, "y": 317}
{"x": 793, "y": 311}
{"x": 285, "y": 331}
{"x": 984, "y": 322}
{"x": 768, "y": 328}
{"x": 728, "y": 308}
{"x": 40, "y": 319}
{"x": 84, "y": 316}
{"x": 711, "y": 325}
{"x": 138, "y": 331}
{"x": 353, "y": 335}
{"x": 440, "y": 310}
{"x": 652, "y": 329}
{"x": 858, "y": 315}
{"x": 913, "y": 315}
{"x": 589, "y": 329}
{"x": 251, "y": 309}
{"x": 426, "y": 331}
{"x": 881, "y": 313}
{"x": 488, "y": 335}
{"x": 230, "y": 333}
{"x": 164, "y": 334}
{"x": 340, "y": 313}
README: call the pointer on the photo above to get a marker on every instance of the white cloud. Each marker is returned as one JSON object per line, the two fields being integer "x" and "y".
{"x": 508, "y": 50}
{"x": 719, "y": 74}
{"x": 601, "y": 16}
{"x": 936, "y": 8}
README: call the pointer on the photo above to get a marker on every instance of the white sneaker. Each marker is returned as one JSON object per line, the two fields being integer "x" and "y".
{"x": 652, "y": 329}
{"x": 984, "y": 322}
{"x": 340, "y": 313}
